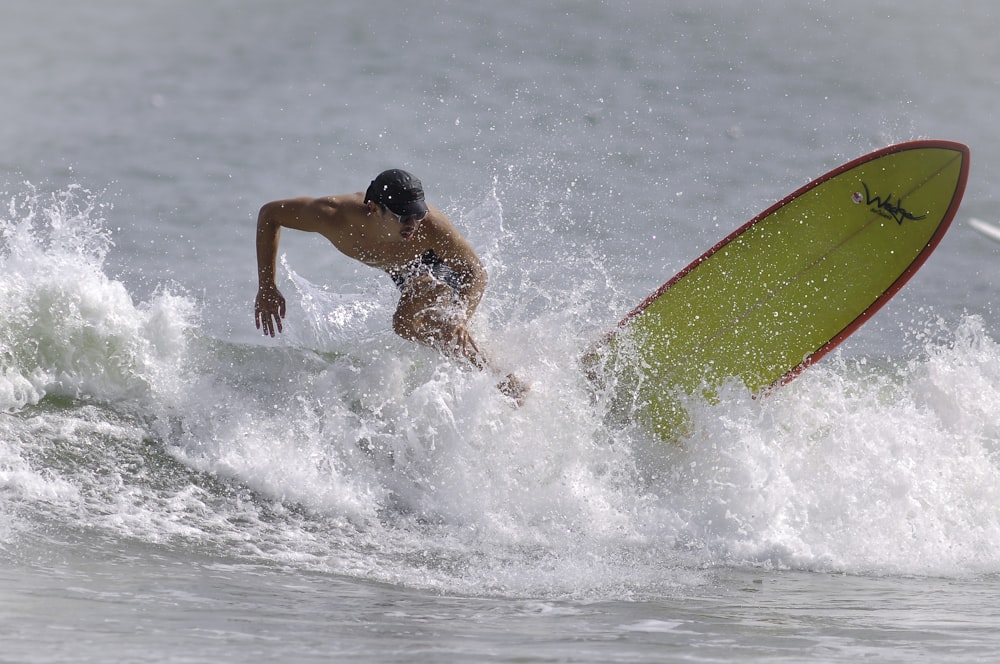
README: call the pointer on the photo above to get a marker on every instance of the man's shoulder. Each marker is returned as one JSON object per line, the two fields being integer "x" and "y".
{"x": 339, "y": 210}
{"x": 439, "y": 225}
{"x": 446, "y": 240}
{"x": 320, "y": 214}
{"x": 336, "y": 204}
{"x": 327, "y": 203}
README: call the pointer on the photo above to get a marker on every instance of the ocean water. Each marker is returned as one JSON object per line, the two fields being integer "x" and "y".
{"x": 176, "y": 488}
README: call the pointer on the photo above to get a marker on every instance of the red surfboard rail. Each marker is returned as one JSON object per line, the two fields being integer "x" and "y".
{"x": 792, "y": 283}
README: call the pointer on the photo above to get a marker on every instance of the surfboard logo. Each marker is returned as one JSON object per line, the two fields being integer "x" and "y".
{"x": 885, "y": 207}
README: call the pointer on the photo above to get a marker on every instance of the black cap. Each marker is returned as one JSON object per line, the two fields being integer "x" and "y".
{"x": 399, "y": 191}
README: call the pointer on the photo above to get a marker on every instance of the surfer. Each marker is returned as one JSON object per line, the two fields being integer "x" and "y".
{"x": 390, "y": 227}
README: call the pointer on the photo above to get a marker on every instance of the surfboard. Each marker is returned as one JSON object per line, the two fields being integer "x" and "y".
{"x": 787, "y": 287}
{"x": 989, "y": 230}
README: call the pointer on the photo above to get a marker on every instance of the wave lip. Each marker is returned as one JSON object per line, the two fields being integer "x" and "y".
{"x": 341, "y": 449}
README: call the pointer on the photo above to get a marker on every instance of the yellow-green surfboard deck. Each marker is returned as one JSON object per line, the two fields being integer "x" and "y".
{"x": 792, "y": 283}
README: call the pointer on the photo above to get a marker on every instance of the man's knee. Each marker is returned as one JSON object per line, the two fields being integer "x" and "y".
{"x": 403, "y": 324}
{"x": 432, "y": 326}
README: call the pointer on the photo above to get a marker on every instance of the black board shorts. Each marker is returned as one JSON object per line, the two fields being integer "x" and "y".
{"x": 431, "y": 265}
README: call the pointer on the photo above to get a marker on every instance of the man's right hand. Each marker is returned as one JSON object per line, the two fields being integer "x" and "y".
{"x": 269, "y": 309}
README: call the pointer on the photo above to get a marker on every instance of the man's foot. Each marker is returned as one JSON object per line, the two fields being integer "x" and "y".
{"x": 515, "y": 388}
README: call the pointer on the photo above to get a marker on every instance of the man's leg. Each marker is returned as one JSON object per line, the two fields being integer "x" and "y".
{"x": 427, "y": 313}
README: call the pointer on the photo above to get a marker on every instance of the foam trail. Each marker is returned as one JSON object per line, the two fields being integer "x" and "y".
{"x": 854, "y": 468}
{"x": 68, "y": 329}
{"x": 348, "y": 450}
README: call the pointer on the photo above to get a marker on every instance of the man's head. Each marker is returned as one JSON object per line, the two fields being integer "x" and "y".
{"x": 398, "y": 191}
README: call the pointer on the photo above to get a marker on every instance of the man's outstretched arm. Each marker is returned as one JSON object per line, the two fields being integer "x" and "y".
{"x": 269, "y": 306}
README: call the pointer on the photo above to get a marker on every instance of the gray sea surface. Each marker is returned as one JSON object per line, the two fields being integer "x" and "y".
{"x": 176, "y": 488}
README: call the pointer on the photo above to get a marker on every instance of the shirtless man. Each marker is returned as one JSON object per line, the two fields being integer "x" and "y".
{"x": 389, "y": 227}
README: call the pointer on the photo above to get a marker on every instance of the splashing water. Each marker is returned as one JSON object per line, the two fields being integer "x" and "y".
{"x": 344, "y": 449}
{"x": 68, "y": 330}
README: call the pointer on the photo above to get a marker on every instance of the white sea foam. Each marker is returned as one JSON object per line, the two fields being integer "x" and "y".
{"x": 343, "y": 448}
{"x": 68, "y": 329}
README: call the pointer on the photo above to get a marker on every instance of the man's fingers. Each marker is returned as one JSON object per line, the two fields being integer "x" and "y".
{"x": 269, "y": 320}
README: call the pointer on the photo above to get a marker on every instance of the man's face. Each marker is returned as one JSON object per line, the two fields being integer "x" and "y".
{"x": 408, "y": 224}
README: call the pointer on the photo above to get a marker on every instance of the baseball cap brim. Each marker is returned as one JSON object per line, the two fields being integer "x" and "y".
{"x": 409, "y": 208}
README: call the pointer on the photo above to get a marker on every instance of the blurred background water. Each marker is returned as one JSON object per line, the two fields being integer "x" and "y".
{"x": 176, "y": 488}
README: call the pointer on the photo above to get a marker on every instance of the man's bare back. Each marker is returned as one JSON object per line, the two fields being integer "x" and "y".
{"x": 389, "y": 227}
